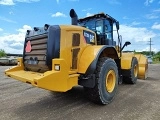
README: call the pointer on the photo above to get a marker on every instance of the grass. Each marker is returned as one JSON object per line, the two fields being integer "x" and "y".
{"x": 156, "y": 62}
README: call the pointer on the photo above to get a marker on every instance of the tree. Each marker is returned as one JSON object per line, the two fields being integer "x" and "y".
{"x": 157, "y": 56}
{"x": 147, "y": 53}
{"x": 2, "y": 53}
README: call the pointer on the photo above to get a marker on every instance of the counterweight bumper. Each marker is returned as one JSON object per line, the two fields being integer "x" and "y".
{"x": 52, "y": 80}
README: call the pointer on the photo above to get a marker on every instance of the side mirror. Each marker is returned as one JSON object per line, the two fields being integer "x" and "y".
{"x": 125, "y": 44}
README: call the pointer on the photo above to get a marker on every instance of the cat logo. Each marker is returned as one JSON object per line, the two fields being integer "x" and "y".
{"x": 89, "y": 37}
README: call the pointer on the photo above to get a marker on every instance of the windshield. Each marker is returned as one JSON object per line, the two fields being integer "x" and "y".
{"x": 100, "y": 26}
{"x": 89, "y": 24}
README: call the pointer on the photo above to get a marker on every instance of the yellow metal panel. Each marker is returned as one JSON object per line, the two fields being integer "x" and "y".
{"x": 18, "y": 67}
{"x": 51, "y": 80}
{"x": 74, "y": 28}
{"x": 88, "y": 55}
{"x": 143, "y": 66}
{"x": 57, "y": 80}
{"x": 24, "y": 76}
{"x": 17, "y": 72}
{"x": 73, "y": 80}
{"x": 66, "y": 45}
{"x": 126, "y": 60}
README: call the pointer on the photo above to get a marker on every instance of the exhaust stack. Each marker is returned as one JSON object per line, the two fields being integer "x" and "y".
{"x": 74, "y": 17}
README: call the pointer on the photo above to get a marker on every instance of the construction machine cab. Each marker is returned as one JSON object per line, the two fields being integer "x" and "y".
{"x": 102, "y": 25}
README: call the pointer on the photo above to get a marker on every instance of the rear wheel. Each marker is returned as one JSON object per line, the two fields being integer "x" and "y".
{"x": 106, "y": 82}
{"x": 133, "y": 72}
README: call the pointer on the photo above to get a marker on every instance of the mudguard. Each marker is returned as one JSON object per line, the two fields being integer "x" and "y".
{"x": 90, "y": 56}
{"x": 143, "y": 66}
{"x": 126, "y": 61}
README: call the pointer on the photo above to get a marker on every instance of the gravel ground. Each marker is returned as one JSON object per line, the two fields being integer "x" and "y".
{"x": 20, "y": 101}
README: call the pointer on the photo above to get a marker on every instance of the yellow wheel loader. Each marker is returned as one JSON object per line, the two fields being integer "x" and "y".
{"x": 59, "y": 57}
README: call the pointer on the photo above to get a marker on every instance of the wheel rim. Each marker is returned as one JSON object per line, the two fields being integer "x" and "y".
{"x": 110, "y": 81}
{"x": 135, "y": 70}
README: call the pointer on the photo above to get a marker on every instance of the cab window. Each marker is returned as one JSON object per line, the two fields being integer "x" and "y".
{"x": 108, "y": 30}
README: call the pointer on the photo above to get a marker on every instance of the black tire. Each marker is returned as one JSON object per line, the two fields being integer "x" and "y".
{"x": 106, "y": 72}
{"x": 133, "y": 73}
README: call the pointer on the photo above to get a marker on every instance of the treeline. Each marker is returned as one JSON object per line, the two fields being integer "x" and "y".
{"x": 2, "y": 53}
{"x": 153, "y": 55}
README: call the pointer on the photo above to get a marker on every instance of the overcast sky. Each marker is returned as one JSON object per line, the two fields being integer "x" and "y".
{"x": 139, "y": 19}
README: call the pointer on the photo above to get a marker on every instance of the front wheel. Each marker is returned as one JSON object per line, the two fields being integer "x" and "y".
{"x": 106, "y": 82}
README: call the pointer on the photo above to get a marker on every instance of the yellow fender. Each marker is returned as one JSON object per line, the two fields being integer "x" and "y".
{"x": 88, "y": 59}
{"x": 126, "y": 60}
{"x": 143, "y": 66}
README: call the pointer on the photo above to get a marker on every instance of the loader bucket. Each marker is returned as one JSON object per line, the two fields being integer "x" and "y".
{"x": 143, "y": 66}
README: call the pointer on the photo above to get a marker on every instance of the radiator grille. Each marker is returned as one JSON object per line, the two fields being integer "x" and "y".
{"x": 36, "y": 59}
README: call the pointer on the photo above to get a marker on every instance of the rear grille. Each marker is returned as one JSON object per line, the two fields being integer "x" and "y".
{"x": 36, "y": 59}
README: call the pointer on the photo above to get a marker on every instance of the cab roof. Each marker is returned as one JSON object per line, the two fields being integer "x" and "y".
{"x": 99, "y": 15}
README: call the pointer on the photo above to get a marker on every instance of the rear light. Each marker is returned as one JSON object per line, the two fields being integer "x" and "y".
{"x": 57, "y": 67}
